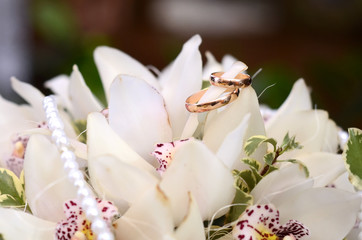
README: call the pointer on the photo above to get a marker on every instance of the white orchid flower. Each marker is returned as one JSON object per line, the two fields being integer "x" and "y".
{"x": 328, "y": 213}
{"x": 313, "y": 128}
{"x": 21, "y": 123}
{"x": 113, "y": 165}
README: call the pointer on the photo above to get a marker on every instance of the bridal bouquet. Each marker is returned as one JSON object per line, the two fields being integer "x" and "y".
{"x": 183, "y": 153}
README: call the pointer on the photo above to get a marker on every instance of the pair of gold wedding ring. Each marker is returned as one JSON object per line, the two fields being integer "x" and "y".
{"x": 232, "y": 86}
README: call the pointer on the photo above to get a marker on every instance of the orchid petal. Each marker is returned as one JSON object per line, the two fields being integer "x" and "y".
{"x": 211, "y": 66}
{"x": 118, "y": 181}
{"x": 192, "y": 226}
{"x": 148, "y": 218}
{"x": 18, "y": 112}
{"x": 342, "y": 182}
{"x": 102, "y": 140}
{"x": 137, "y": 114}
{"x": 227, "y": 61}
{"x": 112, "y": 62}
{"x": 15, "y": 225}
{"x": 182, "y": 79}
{"x": 47, "y": 185}
{"x": 60, "y": 86}
{"x": 298, "y": 100}
{"x": 328, "y": 213}
{"x": 308, "y": 127}
{"x": 323, "y": 167}
{"x": 281, "y": 184}
{"x": 230, "y": 150}
{"x": 83, "y": 101}
{"x": 196, "y": 169}
{"x": 30, "y": 94}
{"x": 224, "y": 122}
{"x": 331, "y": 141}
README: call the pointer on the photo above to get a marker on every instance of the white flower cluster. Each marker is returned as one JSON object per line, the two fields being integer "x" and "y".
{"x": 242, "y": 171}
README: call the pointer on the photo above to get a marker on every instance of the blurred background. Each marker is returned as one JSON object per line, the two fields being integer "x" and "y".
{"x": 319, "y": 40}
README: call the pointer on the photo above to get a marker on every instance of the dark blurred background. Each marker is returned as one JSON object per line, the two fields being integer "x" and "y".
{"x": 319, "y": 40}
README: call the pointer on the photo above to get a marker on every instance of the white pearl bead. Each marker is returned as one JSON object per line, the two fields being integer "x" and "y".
{"x": 89, "y": 202}
{"x": 75, "y": 174}
{"x": 80, "y": 183}
{"x": 62, "y": 142}
{"x": 67, "y": 155}
{"x": 98, "y": 225}
{"x": 57, "y": 133}
{"x": 55, "y": 124}
{"x": 83, "y": 192}
{"x": 105, "y": 235}
{"x": 70, "y": 164}
{"x": 92, "y": 213}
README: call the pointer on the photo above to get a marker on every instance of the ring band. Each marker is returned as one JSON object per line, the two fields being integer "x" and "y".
{"x": 240, "y": 80}
{"x": 192, "y": 104}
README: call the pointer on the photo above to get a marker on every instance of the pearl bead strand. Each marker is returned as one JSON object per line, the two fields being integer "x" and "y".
{"x": 84, "y": 193}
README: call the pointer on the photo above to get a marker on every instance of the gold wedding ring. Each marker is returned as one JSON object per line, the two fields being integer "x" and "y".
{"x": 192, "y": 104}
{"x": 240, "y": 80}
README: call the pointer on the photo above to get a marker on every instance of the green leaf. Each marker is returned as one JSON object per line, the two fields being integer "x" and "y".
{"x": 255, "y": 141}
{"x": 301, "y": 164}
{"x": 289, "y": 144}
{"x": 11, "y": 189}
{"x": 246, "y": 180}
{"x": 269, "y": 158}
{"x": 1, "y": 237}
{"x": 252, "y": 163}
{"x": 352, "y": 156}
{"x": 241, "y": 201}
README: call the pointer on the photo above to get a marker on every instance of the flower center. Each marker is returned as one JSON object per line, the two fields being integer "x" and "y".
{"x": 164, "y": 153}
{"x": 261, "y": 222}
{"x": 76, "y": 226}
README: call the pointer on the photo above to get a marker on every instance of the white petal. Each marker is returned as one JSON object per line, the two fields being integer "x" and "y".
{"x": 298, "y": 100}
{"x": 82, "y": 98}
{"x": 196, "y": 169}
{"x": 281, "y": 184}
{"x": 342, "y": 182}
{"x": 211, "y": 66}
{"x": 182, "y": 79}
{"x": 227, "y": 61}
{"x": 137, "y": 114}
{"x": 224, "y": 122}
{"x": 148, "y": 218}
{"x": 102, "y": 140}
{"x": 47, "y": 185}
{"x": 19, "y": 113}
{"x": 30, "y": 94}
{"x": 118, "y": 181}
{"x": 190, "y": 126}
{"x": 231, "y": 148}
{"x": 112, "y": 62}
{"x": 308, "y": 127}
{"x": 60, "y": 86}
{"x": 328, "y": 213}
{"x": 323, "y": 167}
{"x": 331, "y": 141}
{"x": 15, "y": 225}
{"x": 192, "y": 227}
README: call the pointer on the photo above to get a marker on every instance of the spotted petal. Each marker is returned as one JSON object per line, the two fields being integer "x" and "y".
{"x": 196, "y": 169}
{"x": 15, "y": 225}
{"x": 137, "y": 114}
{"x": 112, "y": 62}
{"x": 183, "y": 78}
{"x": 47, "y": 185}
